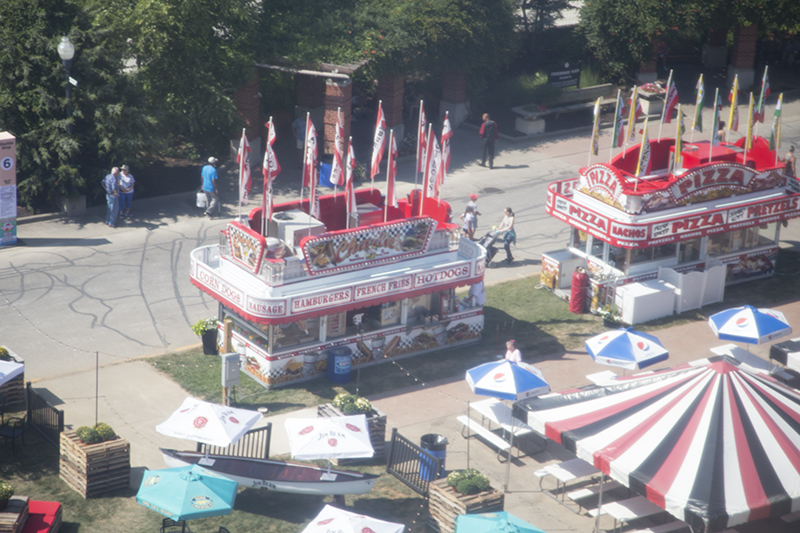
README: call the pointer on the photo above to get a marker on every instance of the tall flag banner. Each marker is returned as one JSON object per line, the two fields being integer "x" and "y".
{"x": 270, "y": 170}
{"x": 775, "y": 134}
{"x": 733, "y": 98}
{"x": 700, "y": 94}
{"x": 379, "y": 143}
{"x": 595, "y": 128}
{"x": 434, "y": 159}
{"x": 618, "y": 137}
{"x": 310, "y": 168}
{"x": 643, "y": 166}
{"x": 635, "y": 110}
{"x": 748, "y": 142}
{"x": 349, "y": 187}
{"x": 715, "y": 140}
{"x": 670, "y": 100}
{"x": 679, "y": 139}
{"x": 243, "y": 158}
{"x": 421, "y": 134}
{"x": 762, "y": 100}
{"x": 391, "y": 174}
{"x": 337, "y": 168}
{"x": 447, "y": 134}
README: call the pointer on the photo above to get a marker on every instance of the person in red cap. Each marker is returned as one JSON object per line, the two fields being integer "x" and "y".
{"x": 473, "y": 203}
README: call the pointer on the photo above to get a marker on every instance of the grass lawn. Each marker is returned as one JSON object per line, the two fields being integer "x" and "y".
{"x": 541, "y": 324}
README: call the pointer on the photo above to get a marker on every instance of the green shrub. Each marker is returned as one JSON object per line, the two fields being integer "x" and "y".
{"x": 6, "y": 490}
{"x": 468, "y": 481}
{"x": 350, "y": 404}
{"x": 88, "y": 435}
{"x": 105, "y": 431}
{"x": 203, "y": 325}
{"x": 4, "y": 355}
{"x": 527, "y": 89}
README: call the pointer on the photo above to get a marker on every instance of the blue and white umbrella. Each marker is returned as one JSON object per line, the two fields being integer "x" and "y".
{"x": 749, "y": 325}
{"x": 507, "y": 380}
{"x": 500, "y": 522}
{"x": 626, "y": 348}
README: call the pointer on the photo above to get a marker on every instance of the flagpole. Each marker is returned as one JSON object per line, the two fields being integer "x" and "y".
{"x": 416, "y": 167}
{"x": 614, "y": 130}
{"x": 664, "y": 109}
{"x": 388, "y": 170}
{"x": 761, "y": 97}
{"x": 714, "y": 122}
{"x": 425, "y": 171}
{"x": 305, "y": 162}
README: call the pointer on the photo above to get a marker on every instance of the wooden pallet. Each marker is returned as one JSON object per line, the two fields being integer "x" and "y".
{"x": 445, "y": 504}
{"x": 376, "y": 425}
{"x": 94, "y": 469}
{"x": 14, "y": 516}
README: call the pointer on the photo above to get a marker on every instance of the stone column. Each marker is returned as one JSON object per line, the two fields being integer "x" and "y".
{"x": 247, "y": 100}
{"x": 390, "y": 93}
{"x": 454, "y": 97}
{"x": 743, "y": 56}
{"x": 338, "y": 96}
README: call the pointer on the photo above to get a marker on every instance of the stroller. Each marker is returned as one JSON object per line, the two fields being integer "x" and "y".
{"x": 487, "y": 241}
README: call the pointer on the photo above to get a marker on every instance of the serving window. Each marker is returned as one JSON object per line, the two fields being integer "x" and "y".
{"x": 578, "y": 240}
{"x": 655, "y": 253}
{"x": 296, "y": 333}
{"x": 689, "y": 251}
{"x": 741, "y": 239}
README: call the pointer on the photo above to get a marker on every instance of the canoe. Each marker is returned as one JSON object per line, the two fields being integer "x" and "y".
{"x": 278, "y": 476}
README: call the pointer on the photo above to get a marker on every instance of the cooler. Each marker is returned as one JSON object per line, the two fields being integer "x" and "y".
{"x": 645, "y": 301}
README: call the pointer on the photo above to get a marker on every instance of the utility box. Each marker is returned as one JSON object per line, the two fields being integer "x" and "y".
{"x": 230, "y": 369}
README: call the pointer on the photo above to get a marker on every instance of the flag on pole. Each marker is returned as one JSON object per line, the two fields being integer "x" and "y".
{"x": 775, "y": 134}
{"x": 379, "y": 143}
{"x": 434, "y": 159}
{"x": 349, "y": 188}
{"x": 270, "y": 171}
{"x": 679, "y": 139}
{"x": 733, "y": 98}
{"x": 762, "y": 100}
{"x": 748, "y": 142}
{"x": 715, "y": 140}
{"x": 391, "y": 173}
{"x": 421, "y": 134}
{"x": 643, "y": 166}
{"x": 310, "y": 169}
{"x": 700, "y": 93}
{"x": 447, "y": 134}
{"x": 337, "y": 168}
{"x": 595, "y": 128}
{"x": 635, "y": 110}
{"x": 243, "y": 158}
{"x": 670, "y": 100}
{"x": 618, "y": 137}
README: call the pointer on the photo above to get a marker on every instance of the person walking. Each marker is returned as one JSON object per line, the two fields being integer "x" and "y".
{"x": 512, "y": 353}
{"x": 126, "y": 182}
{"x": 468, "y": 227}
{"x": 473, "y": 203}
{"x": 791, "y": 163}
{"x": 111, "y": 186}
{"x": 488, "y": 133}
{"x": 209, "y": 175}
{"x": 510, "y": 236}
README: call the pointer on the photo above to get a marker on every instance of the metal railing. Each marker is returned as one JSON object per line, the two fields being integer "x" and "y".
{"x": 407, "y": 462}
{"x": 253, "y": 445}
{"x": 45, "y": 418}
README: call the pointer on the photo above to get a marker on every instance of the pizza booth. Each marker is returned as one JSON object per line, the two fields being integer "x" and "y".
{"x": 341, "y": 290}
{"x": 718, "y": 213}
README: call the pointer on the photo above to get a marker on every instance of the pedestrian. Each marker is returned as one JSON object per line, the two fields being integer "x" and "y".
{"x": 791, "y": 162}
{"x": 509, "y": 235}
{"x": 512, "y": 353}
{"x": 126, "y": 182}
{"x": 488, "y": 133}
{"x": 721, "y": 131}
{"x": 209, "y": 174}
{"x": 111, "y": 186}
{"x": 473, "y": 203}
{"x": 299, "y": 129}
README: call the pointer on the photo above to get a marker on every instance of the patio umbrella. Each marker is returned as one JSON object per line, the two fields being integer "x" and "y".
{"x": 9, "y": 370}
{"x": 710, "y": 442}
{"x": 336, "y": 437}
{"x": 332, "y": 519}
{"x": 626, "y": 348}
{"x": 507, "y": 380}
{"x": 749, "y": 325}
{"x": 209, "y": 423}
{"x": 501, "y": 522}
{"x": 186, "y": 492}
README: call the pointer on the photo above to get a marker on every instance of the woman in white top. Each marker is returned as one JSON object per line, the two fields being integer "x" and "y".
{"x": 512, "y": 353}
{"x": 507, "y": 226}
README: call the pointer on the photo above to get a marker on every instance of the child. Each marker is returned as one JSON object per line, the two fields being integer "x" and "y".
{"x": 468, "y": 227}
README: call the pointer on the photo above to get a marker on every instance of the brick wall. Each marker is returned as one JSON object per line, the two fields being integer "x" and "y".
{"x": 248, "y": 104}
{"x": 390, "y": 93}
{"x": 338, "y": 96}
{"x": 744, "y": 46}
{"x": 454, "y": 86}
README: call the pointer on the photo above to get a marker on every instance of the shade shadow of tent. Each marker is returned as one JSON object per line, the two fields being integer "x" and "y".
{"x": 713, "y": 444}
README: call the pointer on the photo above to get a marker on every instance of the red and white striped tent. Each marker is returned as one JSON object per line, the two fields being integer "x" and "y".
{"x": 713, "y": 444}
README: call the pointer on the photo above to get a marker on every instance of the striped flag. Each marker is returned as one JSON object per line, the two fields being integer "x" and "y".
{"x": 618, "y": 137}
{"x": 775, "y": 134}
{"x": 679, "y": 139}
{"x": 595, "y": 128}
{"x": 310, "y": 168}
{"x": 349, "y": 187}
{"x": 670, "y": 100}
{"x": 748, "y": 142}
{"x": 635, "y": 110}
{"x": 434, "y": 161}
{"x": 762, "y": 100}
{"x": 715, "y": 140}
{"x": 700, "y": 93}
{"x": 243, "y": 158}
{"x": 643, "y": 166}
{"x": 421, "y": 143}
{"x": 337, "y": 169}
{"x": 378, "y": 143}
{"x": 733, "y": 98}
{"x": 391, "y": 172}
{"x": 447, "y": 134}
{"x": 270, "y": 171}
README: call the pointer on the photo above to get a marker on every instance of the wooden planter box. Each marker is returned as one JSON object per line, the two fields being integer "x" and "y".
{"x": 376, "y": 424}
{"x": 445, "y": 504}
{"x": 94, "y": 469}
{"x": 14, "y": 390}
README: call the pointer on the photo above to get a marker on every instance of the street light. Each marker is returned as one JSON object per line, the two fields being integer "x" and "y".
{"x": 66, "y": 50}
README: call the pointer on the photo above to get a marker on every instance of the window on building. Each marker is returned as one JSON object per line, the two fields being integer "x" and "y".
{"x": 618, "y": 257}
{"x": 579, "y": 240}
{"x": 689, "y": 251}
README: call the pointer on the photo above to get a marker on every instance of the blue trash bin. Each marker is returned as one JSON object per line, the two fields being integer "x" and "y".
{"x": 339, "y": 362}
{"x": 436, "y": 445}
{"x": 325, "y": 167}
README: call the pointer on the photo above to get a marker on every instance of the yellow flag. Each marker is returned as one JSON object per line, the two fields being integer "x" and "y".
{"x": 748, "y": 142}
{"x": 643, "y": 166}
{"x": 679, "y": 139}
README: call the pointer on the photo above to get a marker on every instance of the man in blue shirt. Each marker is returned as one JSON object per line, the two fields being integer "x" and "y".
{"x": 209, "y": 174}
{"x": 111, "y": 186}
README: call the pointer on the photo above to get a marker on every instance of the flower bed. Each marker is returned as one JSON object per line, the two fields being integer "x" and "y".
{"x": 445, "y": 504}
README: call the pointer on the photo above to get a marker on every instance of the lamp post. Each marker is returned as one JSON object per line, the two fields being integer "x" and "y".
{"x": 66, "y": 50}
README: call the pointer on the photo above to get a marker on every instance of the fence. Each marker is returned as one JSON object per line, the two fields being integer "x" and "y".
{"x": 696, "y": 289}
{"x": 405, "y": 460}
{"x": 45, "y": 418}
{"x": 254, "y": 445}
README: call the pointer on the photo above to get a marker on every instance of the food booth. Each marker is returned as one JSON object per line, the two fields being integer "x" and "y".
{"x": 719, "y": 205}
{"x": 346, "y": 288}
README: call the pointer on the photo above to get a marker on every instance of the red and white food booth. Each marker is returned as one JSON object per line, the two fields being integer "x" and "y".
{"x": 719, "y": 205}
{"x": 292, "y": 295}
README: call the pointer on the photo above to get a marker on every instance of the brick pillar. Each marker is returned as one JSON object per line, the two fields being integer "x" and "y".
{"x": 338, "y": 96}
{"x": 390, "y": 93}
{"x": 743, "y": 55}
{"x": 248, "y": 104}
{"x": 454, "y": 97}
{"x": 311, "y": 99}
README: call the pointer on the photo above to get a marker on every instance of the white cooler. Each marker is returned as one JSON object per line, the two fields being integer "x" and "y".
{"x": 645, "y": 300}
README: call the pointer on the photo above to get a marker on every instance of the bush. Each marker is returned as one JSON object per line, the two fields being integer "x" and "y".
{"x": 468, "y": 481}
{"x": 527, "y": 89}
{"x": 105, "y": 431}
{"x": 6, "y": 490}
{"x": 350, "y": 404}
{"x": 4, "y": 355}
{"x": 203, "y": 325}
{"x": 88, "y": 435}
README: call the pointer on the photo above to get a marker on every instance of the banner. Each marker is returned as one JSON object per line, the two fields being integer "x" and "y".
{"x": 378, "y": 143}
{"x": 243, "y": 158}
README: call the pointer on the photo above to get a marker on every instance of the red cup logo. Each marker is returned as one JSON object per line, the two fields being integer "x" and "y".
{"x": 200, "y": 422}
{"x": 332, "y": 442}
{"x": 306, "y": 430}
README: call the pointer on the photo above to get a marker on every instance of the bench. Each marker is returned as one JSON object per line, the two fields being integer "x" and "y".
{"x": 594, "y": 490}
{"x": 626, "y": 511}
{"x": 564, "y": 473}
{"x": 669, "y": 527}
{"x": 474, "y": 427}
{"x": 498, "y": 413}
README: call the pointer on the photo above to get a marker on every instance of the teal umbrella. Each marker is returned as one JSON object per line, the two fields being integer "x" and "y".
{"x": 501, "y": 522}
{"x": 186, "y": 492}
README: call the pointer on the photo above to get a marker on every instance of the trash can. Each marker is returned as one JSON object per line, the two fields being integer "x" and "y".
{"x": 325, "y": 167}
{"x": 339, "y": 361}
{"x": 435, "y": 445}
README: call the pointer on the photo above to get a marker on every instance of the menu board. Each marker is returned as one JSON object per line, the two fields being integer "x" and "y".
{"x": 336, "y": 324}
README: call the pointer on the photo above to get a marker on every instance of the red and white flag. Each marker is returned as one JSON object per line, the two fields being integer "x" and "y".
{"x": 243, "y": 158}
{"x": 391, "y": 173}
{"x": 432, "y": 166}
{"x": 270, "y": 171}
{"x": 349, "y": 187}
{"x": 378, "y": 144}
{"x": 337, "y": 169}
{"x": 421, "y": 135}
{"x": 635, "y": 110}
{"x": 762, "y": 100}
{"x": 671, "y": 100}
{"x": 447, "y": 134}
{"x": 310, "y": 169}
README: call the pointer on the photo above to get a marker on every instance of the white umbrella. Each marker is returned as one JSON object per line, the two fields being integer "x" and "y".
{"x": 9, "y": 370}
{"x": 209, "y": 423}
{"x": 337, "y": 437}
{"x": 333, "y": 519}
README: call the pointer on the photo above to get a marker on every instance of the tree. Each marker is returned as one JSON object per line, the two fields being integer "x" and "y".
{"x": 535, "y": 16}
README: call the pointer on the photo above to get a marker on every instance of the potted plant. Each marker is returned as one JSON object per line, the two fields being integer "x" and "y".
{"x": 610, "y": 315}
{"x": 206, "y": 329}
{"x": 6, "y": 492}
{"x": 468, "y": 481}
{"x": 461, "y": 492}
{"x": 5, "y": 355}
{"x": 350, "y": 404}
